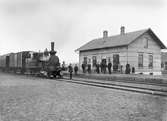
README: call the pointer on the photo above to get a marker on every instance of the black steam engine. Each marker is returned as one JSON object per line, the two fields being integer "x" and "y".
{"x": 42, "y": 63}
{"x": 53, "y": 68}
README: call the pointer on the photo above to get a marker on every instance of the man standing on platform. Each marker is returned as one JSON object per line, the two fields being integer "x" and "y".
{"x": 109, "y": 67}
{"x": 98, "y": 68}
{"x": 89, "y": 68}
{"x": 76, "y": 69}
{"x": 70, "y": 69}
{"x": 83, "y": 67}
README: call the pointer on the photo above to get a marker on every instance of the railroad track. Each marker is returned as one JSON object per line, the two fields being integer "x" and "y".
{"x": 157, "y": 92}
{"x": 131, "y": 81}
{"x": 150, "y": 91}
{"x": 147, "y": 83}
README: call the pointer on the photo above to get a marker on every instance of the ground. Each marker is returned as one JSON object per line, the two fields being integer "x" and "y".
{"x": 25, "y": 98}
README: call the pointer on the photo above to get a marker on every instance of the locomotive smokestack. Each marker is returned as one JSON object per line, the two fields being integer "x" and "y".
{"x": 52, "y": 52}
{"x": 52, "y": 46}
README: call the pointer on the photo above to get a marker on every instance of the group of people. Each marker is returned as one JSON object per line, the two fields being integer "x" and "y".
{"x": 100, "y": 68}
{"x": 97, "y": 68}
{"x": 70, "y": 70}
{"x": 103, "y": 67}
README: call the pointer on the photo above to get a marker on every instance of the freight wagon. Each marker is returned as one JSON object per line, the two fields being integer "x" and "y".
{"x": 25, "y": 61}
{"x": 15, "y": 62}
{"x": 4, "y": 62}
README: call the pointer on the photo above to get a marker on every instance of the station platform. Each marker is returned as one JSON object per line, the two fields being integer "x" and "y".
{"x": 159, "y": 79}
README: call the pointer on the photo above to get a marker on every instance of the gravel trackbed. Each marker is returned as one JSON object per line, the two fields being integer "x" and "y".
{"x": 25, "y": 98}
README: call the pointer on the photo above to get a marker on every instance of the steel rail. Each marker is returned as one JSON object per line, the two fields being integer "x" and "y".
{"x": 118, "y": 87}
{"x": 134, "y": 81}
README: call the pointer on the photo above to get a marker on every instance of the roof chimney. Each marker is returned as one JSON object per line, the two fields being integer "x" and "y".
{"x": 122, "y": 30}
{"x": 105, "y": 33}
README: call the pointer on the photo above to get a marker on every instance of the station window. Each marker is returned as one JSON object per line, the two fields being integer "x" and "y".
{"x": 140, "y": 60}
{"x": 145, "y": 42}
{"x": 165, "y": 65}
{"x": 116, "y": 59}
{"x": 150, "y": 64}
{"x": 109, "y": 59}
{"x": 162, "y": 65}
{"x": 115, "y": 62}
{"x": 94, "y": 61}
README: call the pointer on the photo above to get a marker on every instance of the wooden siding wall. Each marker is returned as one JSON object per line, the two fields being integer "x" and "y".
{"x": 138, "y": 47}
{"x": 130, "y": 55}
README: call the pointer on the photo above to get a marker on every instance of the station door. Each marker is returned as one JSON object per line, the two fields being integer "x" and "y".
{"x": 115, "y": 62}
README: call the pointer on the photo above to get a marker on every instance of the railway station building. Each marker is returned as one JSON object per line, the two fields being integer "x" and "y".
{"x": 141, "y": 49}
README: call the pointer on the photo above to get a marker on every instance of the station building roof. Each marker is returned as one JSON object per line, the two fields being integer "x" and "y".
{"x": 118, "y": 40}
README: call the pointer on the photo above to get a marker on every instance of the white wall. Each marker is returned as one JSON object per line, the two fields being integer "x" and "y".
{"x": 130, "y": 54}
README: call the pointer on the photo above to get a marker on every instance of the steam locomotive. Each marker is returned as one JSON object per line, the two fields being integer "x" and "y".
{"x": 42, "y": 63}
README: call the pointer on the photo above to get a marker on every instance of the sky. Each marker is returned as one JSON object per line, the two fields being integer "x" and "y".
{"x": 33, "y": 24}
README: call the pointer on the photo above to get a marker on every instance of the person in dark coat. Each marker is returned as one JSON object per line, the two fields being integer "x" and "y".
{"x": 109, "y": 67}
{"x": 104, "y": 68}
{"x": 63, "y": 66}
{"x": 83, "y": 67}
{"x": 76, "y": 69}
{"x": 70, "y": 69}
{"x": 133, "y": 70}
{"x": 101, "y": 67}
{"x": 121, "y": 69}
{"x": 98, "y": 68}
{"x": 127, "y": 71}
{"x": 89, "y": 68}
